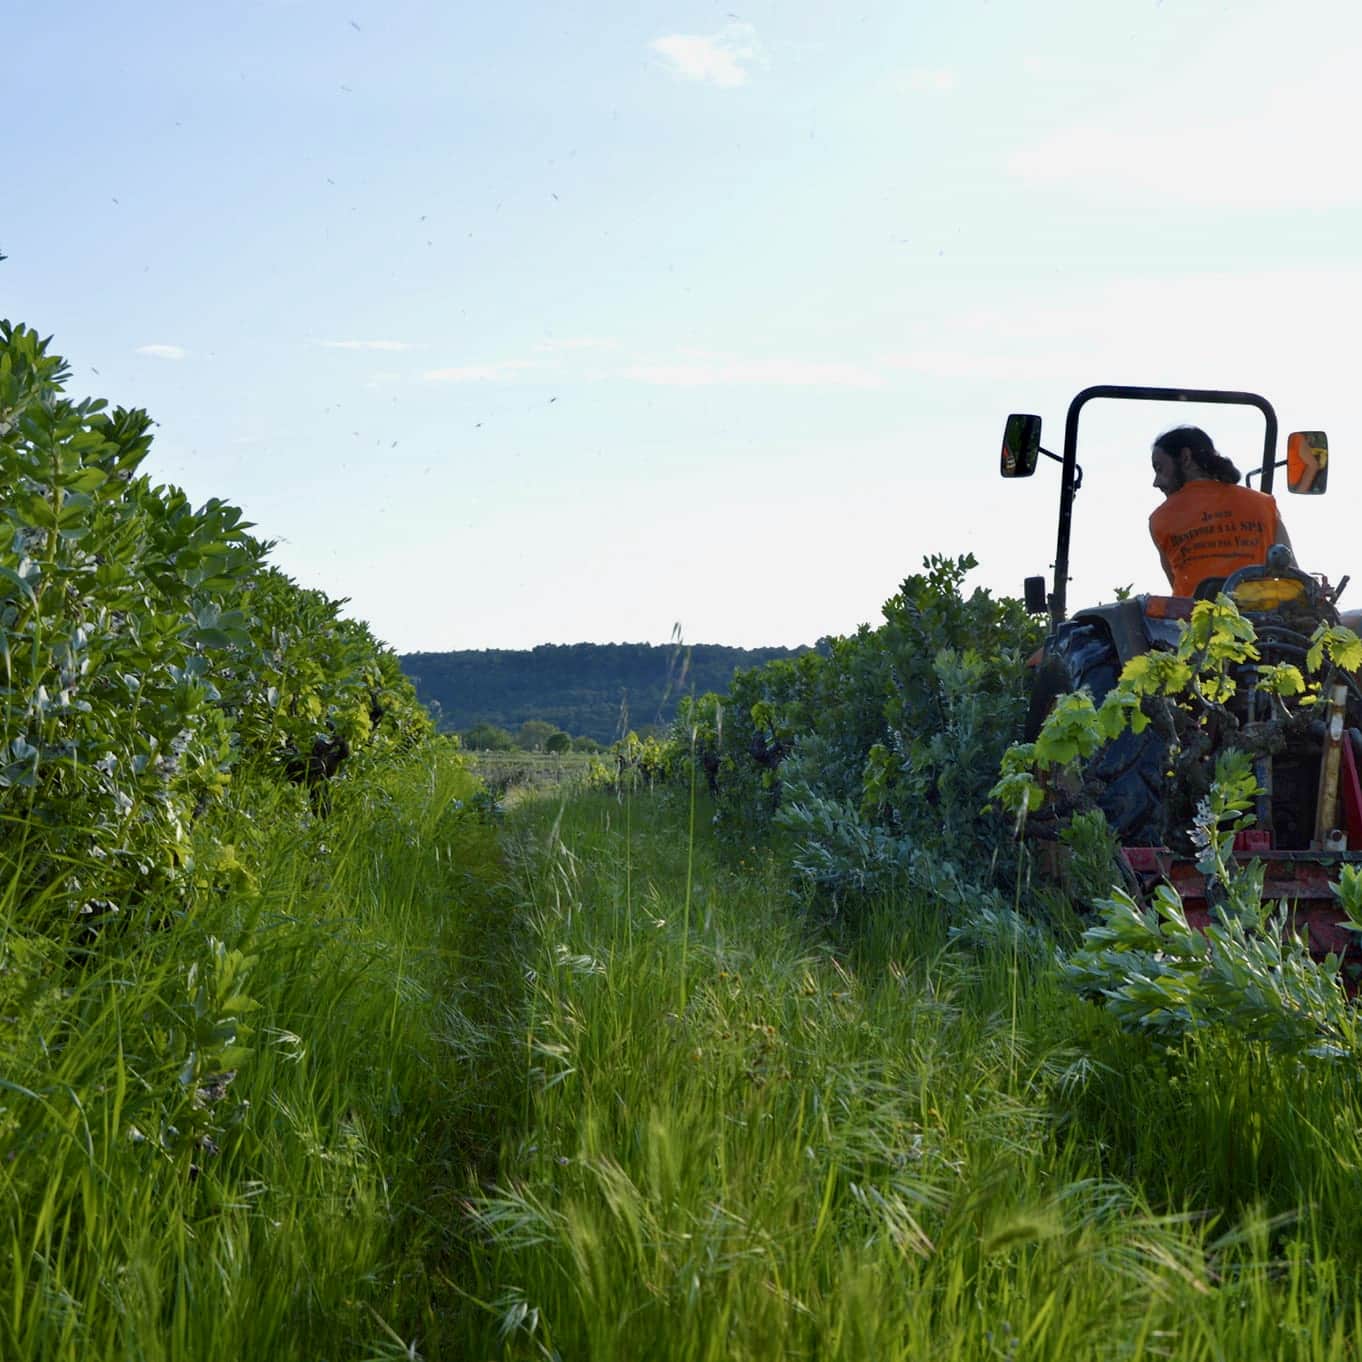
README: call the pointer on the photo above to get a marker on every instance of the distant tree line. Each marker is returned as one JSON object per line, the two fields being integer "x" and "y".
{"x": 596, "y": 691}
{"x": 534, "y": 735}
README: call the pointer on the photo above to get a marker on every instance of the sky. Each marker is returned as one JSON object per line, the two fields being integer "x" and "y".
{"x": 554, "y": 323}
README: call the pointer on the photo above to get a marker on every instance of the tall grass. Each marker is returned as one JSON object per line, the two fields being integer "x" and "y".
{"x": 241, "y": 1131}
{"x": 887, "y": 1147}
{"x": 359, "y": 1102}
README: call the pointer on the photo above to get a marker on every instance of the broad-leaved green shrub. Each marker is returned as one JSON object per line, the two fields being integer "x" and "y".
{"x": 882, "y": 744}
{"x": 1248, "y": 973}
{"x": 146, "y": 648}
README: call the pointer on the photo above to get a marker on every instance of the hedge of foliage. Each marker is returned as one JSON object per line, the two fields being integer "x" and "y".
{"x": 878, "y": 751}
{"x": 148, "y": 650}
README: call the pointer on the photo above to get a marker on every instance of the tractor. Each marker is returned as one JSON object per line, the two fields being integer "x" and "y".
{"x": 1308, "y": 812}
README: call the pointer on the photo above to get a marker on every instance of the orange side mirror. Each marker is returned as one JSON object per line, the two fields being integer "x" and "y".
{"x": 1307, "y": 462}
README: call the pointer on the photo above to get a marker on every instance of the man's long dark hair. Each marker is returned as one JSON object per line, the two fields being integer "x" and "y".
{"x": 1207, "y": 458}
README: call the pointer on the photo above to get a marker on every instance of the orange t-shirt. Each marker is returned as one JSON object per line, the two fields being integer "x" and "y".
{"x": 1210, "y": 529}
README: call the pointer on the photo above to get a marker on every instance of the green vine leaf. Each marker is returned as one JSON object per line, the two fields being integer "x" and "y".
{"x": 1342, "y": 647}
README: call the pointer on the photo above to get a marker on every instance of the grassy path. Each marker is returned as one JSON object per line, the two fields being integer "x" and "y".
{"x": 244, "y": 1132}
{"x": 396, "y": 1090}
{"x": 737, "y": 1140}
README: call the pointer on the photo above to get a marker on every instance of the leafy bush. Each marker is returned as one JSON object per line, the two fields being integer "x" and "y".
{"x": 1247, "y": 972}
{"x": 881, "y": 744}
{"x": 147, "y": 649}
{"x": 534, "y": 733}
{"x": 632, "y": 763}
{"x": 487, "y": 738}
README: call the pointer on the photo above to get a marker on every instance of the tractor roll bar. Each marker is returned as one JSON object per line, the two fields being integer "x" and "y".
{"x": 1059, "y": 597}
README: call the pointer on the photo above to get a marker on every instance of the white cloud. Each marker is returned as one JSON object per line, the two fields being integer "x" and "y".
{"x": 963, "y": 362}
{"x": 478, "y": 373}
{"x": 769, "y": 372}
{"x": 367, "y": 345}
{"x": 163, "y": 351}
{"x": 1258, "y": 133}
{"x": 923, "y": 80}
{"x": 578, "y": 343}
{"x": 688, "y": 368}
{"x": 720, "y": 58}
{"x": 1285, "y": 334}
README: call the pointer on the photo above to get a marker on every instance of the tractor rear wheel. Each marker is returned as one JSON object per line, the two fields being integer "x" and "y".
{"x": 1131, "y": 788}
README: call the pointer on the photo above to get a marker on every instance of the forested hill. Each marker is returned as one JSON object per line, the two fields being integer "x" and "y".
{"x": 586, "y": 689}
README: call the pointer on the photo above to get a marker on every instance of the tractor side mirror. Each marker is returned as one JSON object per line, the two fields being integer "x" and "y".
{"x": 1021, "y": 446}
{"x": 1307, "y": 462}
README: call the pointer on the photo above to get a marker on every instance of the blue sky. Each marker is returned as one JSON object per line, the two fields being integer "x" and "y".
{"x": 556, "y": 323}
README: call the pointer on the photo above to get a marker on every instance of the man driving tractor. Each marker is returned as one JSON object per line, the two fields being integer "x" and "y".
{"x": 1305, "y": 744}
{"x": 1208, "y": 526}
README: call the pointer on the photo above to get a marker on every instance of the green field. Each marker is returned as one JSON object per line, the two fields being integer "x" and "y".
{"x": 603, "y": 1094}
{"x": 512, "y": 775}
